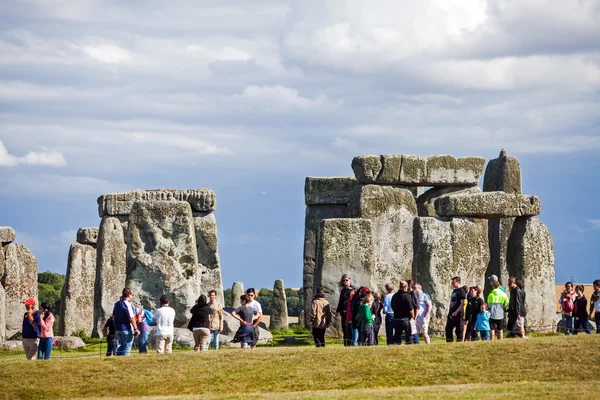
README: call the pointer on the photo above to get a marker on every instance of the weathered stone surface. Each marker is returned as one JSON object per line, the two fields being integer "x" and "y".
{"x": 503, "y": 174}
{"x": 278, "y": 308}
{"x": 314, "y": 215}
{"x": 20, "y": 283}
{"x": 162, "y": 256}
{"x": 68, "y": 343}
{"x": 488, "y": 205}
{"x": 231, "y": 325}
{"x": 345, "y": 247}
{"x": 7, "y": 235}
{"x": 392, "y": 211}
{"x": 426, "y": 201}
{"x": 121, "y": 203}
{"x": 11, "y": 345}
{"x": 444, "y": 248}
{"x": 417, "y": 190}
{"x": 498, "y": 234}
{"x": 237, "y": 290}
{"x": 328, "y": 190}
{"x": 77, "y": 300}
{"x": 531, "y": 258}
{"x": 207, "y": 245}
{"x": 438, "y": 170}
{"x": 87, "y": 236}
{"x": 2, "y": 309}
{"x": 111, "y": 269}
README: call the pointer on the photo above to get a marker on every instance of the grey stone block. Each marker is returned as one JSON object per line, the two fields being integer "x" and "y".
{"x": 7, "y": 235}
{"x": 328, "y": 190}
{"x": 87, "y": 236}
{"x": 488, "y": 205}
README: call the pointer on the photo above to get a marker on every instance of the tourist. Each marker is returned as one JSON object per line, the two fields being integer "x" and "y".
{"x": 389, "y": 314}
{"x": 125, "y": 322}
{"x": 257, "y": 316}
{"x": 31, "y": 329}
{"x": 492, "y": 279}
{"x": 342, "y": 307}
{"x": 320, "y": 317}
{"x": 376, "y": 310}
{"x": 112, "y": 343}
{"x": 521, "y": 286}
{"x": 366, "y": 321}
{"x": 415, "y": 299}
{"x": 566, "y": 301}
{"x": 46, "y": 332}
{"x": 497, "y": 302}
{"x": 200, "y": 322}
{"x": 423, "y": 313}
{"x": 216, "y": 320}
{"x": 404, "y": 312}
{"x": 347, "y": 323}
{"x": 455, "y": 311}
{"x": 144, "y": 327}
{"x": 482, "y": 324}
{"x": 473, "y": 309}
{"x": 464, "y": 323}
{"x": 580, "y": 311}
{"x": 595, "y": 304}
{"x": 164, "y": 319}
{"x": 515, "y": 309}
{"x": 245, "y": 314}
{"x": 355, "y": 310}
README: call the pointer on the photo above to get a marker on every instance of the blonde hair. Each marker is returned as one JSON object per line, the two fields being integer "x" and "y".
{"x": 377, "y": 296}
{"x": 367, "y": 299}
{"x": 403, "y": 285}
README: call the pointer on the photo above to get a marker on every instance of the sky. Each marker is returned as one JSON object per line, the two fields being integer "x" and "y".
{"x": 249, "y": 98}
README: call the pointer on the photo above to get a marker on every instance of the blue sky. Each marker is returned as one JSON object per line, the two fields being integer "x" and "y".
{"x": 248, "y": 98}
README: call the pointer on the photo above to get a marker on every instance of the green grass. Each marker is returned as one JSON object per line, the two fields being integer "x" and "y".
{"x": 542, "y": 367}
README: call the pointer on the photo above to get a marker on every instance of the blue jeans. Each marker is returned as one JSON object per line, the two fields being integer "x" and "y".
{"x": 568, "y": 324}
{"x": 485, "y": 335}
{"x": 125, "y": 342}
{"x": 214, "y": 339}
{"x": 389, "y": 328}
{"x": 143, "y": 342}
{"x": 112, "y": 343}
{"x": 45, "y": 348}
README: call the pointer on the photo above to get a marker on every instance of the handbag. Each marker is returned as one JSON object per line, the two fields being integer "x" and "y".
{"x": 413, "y": 327}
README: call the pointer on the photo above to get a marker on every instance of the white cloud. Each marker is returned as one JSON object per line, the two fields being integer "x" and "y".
{"x": 108, "y": 53}
{"x": 595, "y": 223}
{"x": 51, "y": 158}
{"x": 55, "y": 186}
{"x": 280, "y": 98}
{"x": 182, "y": 142}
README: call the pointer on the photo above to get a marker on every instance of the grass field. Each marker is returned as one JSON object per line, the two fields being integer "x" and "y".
{"x": 543, "y": 367}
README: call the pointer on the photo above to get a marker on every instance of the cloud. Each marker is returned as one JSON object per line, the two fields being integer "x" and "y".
{"x": 592, "y": 225}
{"x": 51, "y": 158}
{"x": 279, "y": 98}
{"x": 107, "y": 53}
{"x": 53, "y": 186}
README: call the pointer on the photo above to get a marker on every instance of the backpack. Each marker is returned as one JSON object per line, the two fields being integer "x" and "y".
{"x": 567, "y": 305}
{"x": 149, "y": 317}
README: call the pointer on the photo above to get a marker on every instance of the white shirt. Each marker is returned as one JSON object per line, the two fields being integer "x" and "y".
{"x": 256, "y": 307}
{"x": 164, "y": 318}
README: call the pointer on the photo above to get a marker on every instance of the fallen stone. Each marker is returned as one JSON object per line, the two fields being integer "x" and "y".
{"x": 503, "y": 174}
{"x": 11, "y": 345}
{"x": 207, "y": 245}
{"x": 237, "y": 290}
{"x": 20, "y": 282}
{"x": 531, "y": 258}
{"x": 162, "y": 256}
{"x": 489, "y": 205}
{"x": 392, "y": 211}
{"x": 328, "y": 190}
{"x": 77, "y": 300}
{"x": 426, "y": 201}
{"x": 7, "y": 235}
{"x": 278, "y": 308}
{"x": 121, "y": 203}
{"x": 68, "y": 343}
{"x": 231, "y": 325}
{"x": 181, "y": 337}
{"x": 87, "y": 236}
{"x": 111, "y": 270}
{"x": 443, "y": 249}
{"x": 345, "y": 247}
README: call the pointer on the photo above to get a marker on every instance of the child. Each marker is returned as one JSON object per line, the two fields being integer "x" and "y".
{"x": 366, "y": 321}
{"x": 483, "y": 322}
{"x": 566, "y": 302}
{"x": 244, "y": 314}
{"x": 111, "y": 337}
{"x": 376, "y": 310}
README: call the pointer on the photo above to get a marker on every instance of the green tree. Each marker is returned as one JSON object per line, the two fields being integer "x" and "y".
{"x": 50, "y": 287}
{"x": 228, "y": 300}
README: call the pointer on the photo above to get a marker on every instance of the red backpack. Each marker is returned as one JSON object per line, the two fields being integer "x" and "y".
{"x": 567, "y": 304}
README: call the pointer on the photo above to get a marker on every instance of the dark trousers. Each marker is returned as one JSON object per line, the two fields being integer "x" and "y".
{"x": 511, "y": 326}
{"x": 581, "y": 325}
{"x": 111, "y": 345}
{"x": 376, "y": 328}
{"x": 389, "y": 328}
{"x": 402, "y": 325}
{"x": 366, "y": 335}
{"x": 597, "y": 319}
{"x": 453, "y": 324}
{"x": 347, "y": 330}
{"x": 319, "y": 336}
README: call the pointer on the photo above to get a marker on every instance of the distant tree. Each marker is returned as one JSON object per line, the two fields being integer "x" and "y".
{"x": 50, "y": 287}
{"x": 228, "y": 298}
{"x": 264, "y": 298}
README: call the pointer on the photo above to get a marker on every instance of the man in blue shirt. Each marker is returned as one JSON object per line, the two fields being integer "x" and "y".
{"x": 125, "y": 324}
{"x": 31, "y": 330}
{"x": 389, "y": 314}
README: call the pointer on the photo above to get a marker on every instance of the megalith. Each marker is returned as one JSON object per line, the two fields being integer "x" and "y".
{"x": 426, "y": 201}
{"x": 7, "y": 235}
{"x": 207, "y": 248}
{"x": 87, "y": 236}
{"x": 237, "y": 291}
{"x": 488, "y": 205}
{"x": 278, "y": 308}
{"x": 162, "y": 256}
{"x": 531, "y": 258}
{"x": 2, "y": 297}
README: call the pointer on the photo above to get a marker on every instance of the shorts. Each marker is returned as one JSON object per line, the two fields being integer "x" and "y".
{"x": 422, "y": 326}
{"x": 496, "y": 324}
{"x": 519, "y": 323}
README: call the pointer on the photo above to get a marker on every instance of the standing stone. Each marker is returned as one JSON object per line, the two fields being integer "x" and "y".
{"x": 278, "y": 307}
{"x": 2, "y": 297}
{"x": 498, "y": 233}
{"x": 162, "y": 256}
{"x": 7, "y": 235}
{"x": 531, "y": 259}
{"x": 237, "y": 291}
{"x": 111, "y": 269}
{"x": 77, "y": 300}
{"x": 426, "y": 201}
{"x": 87, "y": 236}
{"x": 20, "y": 283}
{"x": 344, "y": 247}
{"x": 444, "y": 248}
{"x": 207, "y": 246}
{"x": 392, "y": 211}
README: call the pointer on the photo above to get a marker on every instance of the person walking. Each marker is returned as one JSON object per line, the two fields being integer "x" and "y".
{"x": 112, "y": 342}
{"x": 342, "y": 307}
{"x": 199, "y": 323}
{"x": 580, "y": 312}
{"x": 404, "y": 311}
{"x": 125, "y": 322}
{"x": 320, "y": 317}
{"x": 46, "y": 332}
{"x": 30, "y": 330}
{"x": 515, "y": 309}
{"x": 377, "y": 320}
{"x": 216, "y": 320}
{"x": 258, "y": 314}
{"x": 389, "y": 314}
{"x": 497, "y": 302}
{"x": 595, "y": 304}
{"x": 423, "y": 313}
{"x": 164, "y": 319}
{"x": 567, "y": 299}
{"x": 455, "y": 311}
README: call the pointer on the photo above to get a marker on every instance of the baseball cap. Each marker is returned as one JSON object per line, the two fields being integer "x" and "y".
{"x": 493, "y": 278}
{"x": 29, "y": 302}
